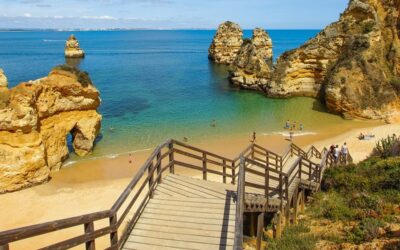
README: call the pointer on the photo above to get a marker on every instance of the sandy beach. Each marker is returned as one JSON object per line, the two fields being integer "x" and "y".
{"x": 94, "y": 185}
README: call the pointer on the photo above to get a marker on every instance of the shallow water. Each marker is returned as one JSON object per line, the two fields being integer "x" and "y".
{"x": 159, "y": 84}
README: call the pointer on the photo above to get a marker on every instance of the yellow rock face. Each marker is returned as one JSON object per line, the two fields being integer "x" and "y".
{"x": 35, "y": 120}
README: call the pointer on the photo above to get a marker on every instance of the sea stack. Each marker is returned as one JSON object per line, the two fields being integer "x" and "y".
{"x": 252, "y": 68}
{"x": 72, "y": 49}
{"x": 226, "y": 43}
{"x": 3, "y": 79}
{"x": 263, "y": 42}
{"x": 35, "y": 121}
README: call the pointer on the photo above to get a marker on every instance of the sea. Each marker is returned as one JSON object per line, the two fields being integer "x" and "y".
{"x": 159, "y": 84}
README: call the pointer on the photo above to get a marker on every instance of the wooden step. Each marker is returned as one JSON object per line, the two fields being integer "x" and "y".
{"x": 141, "y": 242}
{"x": 186, "y": 230}
{"x": 221, "y": 214}
{"x": 192, "y": 238}
{"x": 216, "y": 227}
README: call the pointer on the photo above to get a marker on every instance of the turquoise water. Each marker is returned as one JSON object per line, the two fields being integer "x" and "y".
{"x": 159, "y": 84}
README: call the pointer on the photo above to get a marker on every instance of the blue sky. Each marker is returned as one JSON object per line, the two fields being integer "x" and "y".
{"x": 168, "y": 14}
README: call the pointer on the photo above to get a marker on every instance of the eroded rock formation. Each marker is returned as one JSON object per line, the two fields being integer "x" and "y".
{"x": 226, "y": 43}
{"x": 72, "y": 48}
{"x": 252, "y": 67}
{"x": 352, "y": 64}
{"x": 35, "y": 120}
{"x": 263, "y": 42}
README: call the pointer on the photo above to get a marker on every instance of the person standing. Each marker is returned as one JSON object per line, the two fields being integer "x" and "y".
{"x": 254, "y": 137}
{"x": 336, "y": 154}
{"x": 287, "y": 124}
{"x": 344, "y": 152}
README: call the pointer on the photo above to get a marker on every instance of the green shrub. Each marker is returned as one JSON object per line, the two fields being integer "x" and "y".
{"x": 332, "y": 206}
{"x": 295, "y": 237}
{"x": 367, "y": 230}
{"x": 387, "y": 147}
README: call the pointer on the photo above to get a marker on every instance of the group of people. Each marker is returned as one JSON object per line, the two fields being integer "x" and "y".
{"x": 293, "y": 126}
{"x": 339, "y": 155}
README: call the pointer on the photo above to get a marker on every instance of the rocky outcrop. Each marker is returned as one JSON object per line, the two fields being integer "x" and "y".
{"x": 3, "y": 79}
{"x": 252, "y": 68}
{"x": 35, "y": 120}
{"x": 352, "y": 64}
{"x": 72, "y": 48}
{"x": 263, "y": 42}
{"x": 226, "y": 43}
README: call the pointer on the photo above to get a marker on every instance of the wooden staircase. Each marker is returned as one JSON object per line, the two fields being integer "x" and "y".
{"x": 165, "y": 207}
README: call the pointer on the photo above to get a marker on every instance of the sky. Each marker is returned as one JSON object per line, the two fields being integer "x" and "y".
{"x": 168, "y": 14}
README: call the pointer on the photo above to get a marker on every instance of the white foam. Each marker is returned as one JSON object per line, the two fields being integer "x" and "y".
{"x": 68, "y": 163}
{"x": 287, "y": 133}
{"x": 52, "y": 41}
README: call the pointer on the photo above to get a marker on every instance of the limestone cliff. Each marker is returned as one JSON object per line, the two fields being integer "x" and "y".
{"x": 353, "y": 64}
{"x": 252, "y": 67}
{"x": 72, "y": 48}
{"x": 35, "y": 119}
{"x": 226, "y": 43}
{"x": 3, "y": 79}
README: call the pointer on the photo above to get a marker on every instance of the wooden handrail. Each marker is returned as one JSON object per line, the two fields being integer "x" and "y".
{"x": 238, "y": 241}
{"x": 150, "y": 174}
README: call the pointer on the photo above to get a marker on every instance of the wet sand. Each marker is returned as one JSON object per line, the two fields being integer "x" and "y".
{"x": 94, "y": 185}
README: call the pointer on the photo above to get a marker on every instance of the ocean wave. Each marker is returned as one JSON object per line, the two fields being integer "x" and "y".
{"x": 287, "y": 133}
{"x": 52, "y": 41}
{"x": 68, "y": 163}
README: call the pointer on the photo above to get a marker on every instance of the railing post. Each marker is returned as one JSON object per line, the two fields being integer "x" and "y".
{"x": 233, "y": 172}
{"x": 171, "y": 157}
{"x": 260, "y": 227}
{"x": 252, "y": 151}
{"x": 309, "y": 173}
{"x": 300, "y": 165}
{"x": 89, "y": 228}
{"x": 287, "y": 212}
{"x": 114, "y": 233}
{"x": 5, "y": 247}
{"x": 281, "y": 190}
{"x": 224, "y": 171}
{"x": 151, "y": 179}
{"x": 159, "y": 167}
{"x": 267, "y": 177}
{"x": 204, "y": 166}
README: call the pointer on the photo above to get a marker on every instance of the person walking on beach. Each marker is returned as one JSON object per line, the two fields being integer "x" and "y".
{"x": 291, "y": 135}
{"x": 294, "y": 125}
{"x": 344, "y": 153}
{"x": 301, "y": 127}
{"x": 336, "y": 154}
{"x": 254, "y": 137}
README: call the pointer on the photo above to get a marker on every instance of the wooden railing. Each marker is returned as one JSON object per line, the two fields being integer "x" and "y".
{"x": 171, "y": 157}
{"x": 122, "y": 216}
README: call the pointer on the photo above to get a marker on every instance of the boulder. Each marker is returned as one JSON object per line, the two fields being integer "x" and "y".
{"x": 36, "y": 120}
{"x": 226, "y": 43}
{"x": 72, "y": 48}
